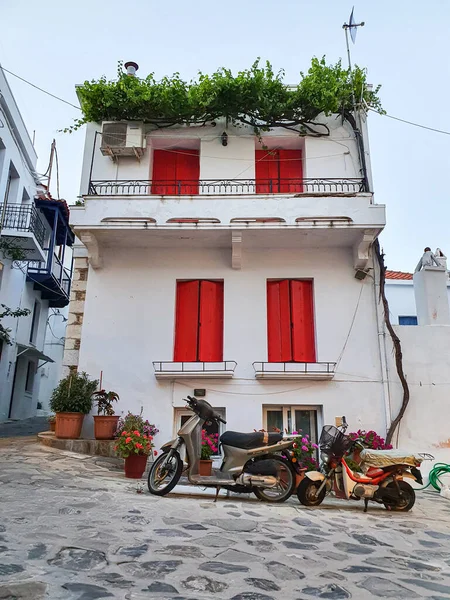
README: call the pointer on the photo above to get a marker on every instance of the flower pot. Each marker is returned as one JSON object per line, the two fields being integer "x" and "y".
{"x": 52, "y": 425}
{"x": 135, "y": 465}
{"x": 68, "y": 425}
{"x": 105, "y": 427}
{"x": 205, "y": 468}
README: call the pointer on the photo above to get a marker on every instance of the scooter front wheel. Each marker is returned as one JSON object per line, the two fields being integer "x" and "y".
{"x": 165, "y": 474}
{"x": 307, "y": 492}
{"x": 286, "y": 483}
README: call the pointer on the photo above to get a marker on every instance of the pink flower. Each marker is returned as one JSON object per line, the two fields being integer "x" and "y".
{"x": 305, "y": 449}
{"x": 304, "y": 440}
{"x": 314, "y": 446}
{"x": 137, "y": 433}
{"x": 155, "y": 453}
{"x": 295, "y": 433}
{"x": 140, "y": 446}
{"x": 127, "y": 440}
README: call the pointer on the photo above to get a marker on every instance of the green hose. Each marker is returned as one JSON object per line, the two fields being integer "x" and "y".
{"x": 438, "y": 470}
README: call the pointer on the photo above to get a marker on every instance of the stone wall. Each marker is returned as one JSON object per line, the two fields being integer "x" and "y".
{"x": 76, "y": 313}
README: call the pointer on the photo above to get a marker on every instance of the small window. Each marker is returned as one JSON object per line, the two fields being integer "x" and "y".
{"x": 31, "y": 369}
{"x": 407, "y": 320}
{"x": 35, "y": 322}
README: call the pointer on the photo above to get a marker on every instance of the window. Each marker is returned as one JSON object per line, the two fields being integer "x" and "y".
{"x": 175, "y": 172}
{"x": 35, "y": 322}
{"x": 12, "y": 184}
{"x": 182, "y": 415}
{"x": 290, "y": 321}
{"x": 278, "y": 171}
{"x": 29, "y": 382}
{"x": 292, "y": 418}
{"x": 407, "y": 320}
{"x": 2, "y": 268}
{"x": 199, "y": 321}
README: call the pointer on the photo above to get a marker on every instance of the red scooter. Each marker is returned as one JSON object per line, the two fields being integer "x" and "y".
{"x": 382, "y": 479}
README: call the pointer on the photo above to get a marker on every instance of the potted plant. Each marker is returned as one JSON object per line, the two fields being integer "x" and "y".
{"x": 302, "y": 453}
{"x": 209, "y": 447}
{"x": 71, "y": 400}
{"x": 105, "y": 422}
{"x": 134, "y": 447}
{"x": 52, "y": 422}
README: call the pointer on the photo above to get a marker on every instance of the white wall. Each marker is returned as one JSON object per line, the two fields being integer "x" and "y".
{"x": 129, "y": 322}
{"x": 402, "y": 302}
{"x": 50, "y": 373}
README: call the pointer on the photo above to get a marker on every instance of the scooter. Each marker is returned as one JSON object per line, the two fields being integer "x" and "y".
{"x": 382, "y": 480}
{"x": 250, "y": 461}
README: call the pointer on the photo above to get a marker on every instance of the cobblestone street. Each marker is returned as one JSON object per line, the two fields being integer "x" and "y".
{"x": 72, "y": 528}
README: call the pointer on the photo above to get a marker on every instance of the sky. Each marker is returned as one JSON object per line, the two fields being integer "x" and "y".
{"x": 405, "y": 46}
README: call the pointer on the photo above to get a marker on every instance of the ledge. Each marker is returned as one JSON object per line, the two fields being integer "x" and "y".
{"x": 194, "y": 370}
{"x": 321, "y": 371}
{"x": 80, "y": 446}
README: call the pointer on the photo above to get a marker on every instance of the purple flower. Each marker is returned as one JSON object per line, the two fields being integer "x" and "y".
{"x": 305, "y": 440}
{"x": 295, "y": 433}
{"x": 314, "y": 446}
{"x": 304, "y": 448}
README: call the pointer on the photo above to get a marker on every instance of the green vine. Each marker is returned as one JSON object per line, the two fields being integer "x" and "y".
{"x": 12, "y": 250}
{"x": 5, "y": 311}
{"x": 258, "y": 97}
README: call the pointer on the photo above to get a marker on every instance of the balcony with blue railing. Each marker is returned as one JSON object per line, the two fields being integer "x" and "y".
{"x": 24, "y": 226}
{"x": 52, "y": 279}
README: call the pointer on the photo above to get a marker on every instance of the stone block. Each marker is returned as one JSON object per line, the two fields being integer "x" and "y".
{"x": 71, "y": 357}
{"x": 73, "y": 331}
{"x": 81, "y": 262}
{"x": 70, "y": 344}
{"x": 79, "y": 285}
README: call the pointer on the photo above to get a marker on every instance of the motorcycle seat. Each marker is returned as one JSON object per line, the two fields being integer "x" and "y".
{"x": 248, "y": 441}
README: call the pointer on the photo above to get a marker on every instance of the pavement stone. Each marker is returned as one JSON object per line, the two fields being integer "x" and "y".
{"x": 73, "y": 529}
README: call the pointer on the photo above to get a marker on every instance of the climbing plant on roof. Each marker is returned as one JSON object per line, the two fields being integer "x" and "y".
{"x": 258, "y": 97}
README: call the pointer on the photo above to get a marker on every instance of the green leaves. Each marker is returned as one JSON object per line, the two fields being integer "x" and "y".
{"x": 74, "y": 394}
{"x": 257, "y": 96}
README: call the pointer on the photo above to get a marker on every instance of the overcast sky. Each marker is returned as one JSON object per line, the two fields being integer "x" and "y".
{"x": 405, "y": 45}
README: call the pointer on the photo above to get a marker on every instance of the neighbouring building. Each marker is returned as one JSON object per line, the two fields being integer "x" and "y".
{"x": 211, "y": 262}
{"x": 32, "y": 220}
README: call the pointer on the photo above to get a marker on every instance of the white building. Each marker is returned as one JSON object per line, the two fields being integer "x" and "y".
{"x": 212, "y": 262}
{"x": 39, "y": 225}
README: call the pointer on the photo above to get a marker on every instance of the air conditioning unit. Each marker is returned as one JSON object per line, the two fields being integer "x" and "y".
{"x": 123, "y": 138}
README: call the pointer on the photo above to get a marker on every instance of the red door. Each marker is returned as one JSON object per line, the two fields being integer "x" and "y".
{"x": 302, "y": 319}
{"x": 279, "y": 321}
{"x": 210, "y": 342}
{"x": 188, "y": 172}
{"x": 291, "y": 171}
{"x": 186, "y": 321}
{"x": 175, "y": 172}
{"x": 266, "y": 171}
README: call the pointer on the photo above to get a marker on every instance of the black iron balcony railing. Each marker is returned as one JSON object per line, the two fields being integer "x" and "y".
{"x": 147, "y": 187}
{"x": 23, "y": 219}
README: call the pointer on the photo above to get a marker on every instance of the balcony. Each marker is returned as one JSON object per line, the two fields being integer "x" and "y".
{"x": 318, "y": 370}
{"x": 52, "y": 279}
{"x": 24, "y": 225}
{"x": 147, "y": 187}
{"x": 197, "y": 370}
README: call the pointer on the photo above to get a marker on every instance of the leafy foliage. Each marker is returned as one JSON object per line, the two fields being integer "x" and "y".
{"x": 74, "y": 394}
{"x": 5, "y": 332}
{"x": 133, "y": 442}
{"x": 257, "y": 96}
{"x": 12, "y": 250}
{"x": 370, "y": 439}
{"x": 136, "y": 422}
{"x": 303, "y": 453}
{"x": 104, "y": 401}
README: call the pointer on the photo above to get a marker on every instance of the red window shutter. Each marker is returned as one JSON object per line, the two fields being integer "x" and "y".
{"x": 210, "y": 343}
{"x": 186, "y": 321}
{"x": 291, "y": 171}
{"x": 266, "y": 171}
{"x": 302, "y": 315}
{"x": 164, "y": 172}
{"x": 279, "y": 321}
{"x": 188, "y": 171}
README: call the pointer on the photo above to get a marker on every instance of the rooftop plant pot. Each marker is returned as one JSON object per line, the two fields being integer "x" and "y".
{"x": 105, "y": 427}
{"x": 68, "y": 425}
{"x": 135, "y": 465}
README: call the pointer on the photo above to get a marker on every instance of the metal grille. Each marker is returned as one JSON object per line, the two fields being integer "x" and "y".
{"x": 114, "y": 134}
{"x": 24, "y": 218}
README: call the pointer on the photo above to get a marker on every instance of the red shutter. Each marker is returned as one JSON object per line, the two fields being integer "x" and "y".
{"x": 291, "y": 171}
{"x": 186, "y": 323}
{"x": 279, "y": 321}
{"x": 164, "y": 172}
{"x": 210, "y": 343}
{"x": 266, "y": 171}
{"x": 302, "y": 315}
{"x": 188, "y": 171}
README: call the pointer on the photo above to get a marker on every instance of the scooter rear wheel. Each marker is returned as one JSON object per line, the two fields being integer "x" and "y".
{"x": 285, "y": 487}
{"x": 162, "y": 480}
{"x": 401, "y": 503}
{"x": 307, "y": 492}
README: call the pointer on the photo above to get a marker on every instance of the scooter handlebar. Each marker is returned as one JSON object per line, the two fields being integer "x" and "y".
{"x": 204, "y": 409}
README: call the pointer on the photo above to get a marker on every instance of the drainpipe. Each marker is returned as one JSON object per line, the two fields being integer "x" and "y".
{"x": 381, "y": 335}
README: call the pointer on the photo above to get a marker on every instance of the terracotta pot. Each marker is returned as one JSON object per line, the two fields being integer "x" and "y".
{"x": 105, "y": 427}
{"x": 52, "y": 425}
{"x": 205, "y": 468}
{"x": 135, "y": 465}
{"x": 68, "y": 425}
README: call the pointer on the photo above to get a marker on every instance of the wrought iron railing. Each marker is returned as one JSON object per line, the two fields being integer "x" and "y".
{"x": 23, "y": 218}
{"x": 147, "y": 187}
{"x": 166, "y": 366}
{"x": 56, "y": 270}
{"x": 325, "y": 368}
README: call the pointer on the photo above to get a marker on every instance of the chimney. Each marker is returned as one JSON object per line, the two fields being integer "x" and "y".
{"x": 131, "y": 68}
{"x": 430, "y": 290}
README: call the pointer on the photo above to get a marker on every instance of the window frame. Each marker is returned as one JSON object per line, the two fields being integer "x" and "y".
{"x": 34, "y": 329}
{"x": 30, "y": 377}
{"x": 408, "y": 317}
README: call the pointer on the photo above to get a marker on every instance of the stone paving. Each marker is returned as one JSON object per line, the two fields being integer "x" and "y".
{"x": 24, "y": 427}
{"x": 71, "y": 527}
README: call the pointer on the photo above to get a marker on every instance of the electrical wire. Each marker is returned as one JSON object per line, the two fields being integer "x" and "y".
{"x": 410, "y": 122}
{"x": 39, "y": 88}
{"x": 57, "y": 173}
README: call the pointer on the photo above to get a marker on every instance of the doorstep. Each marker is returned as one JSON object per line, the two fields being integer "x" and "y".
{"x": 80, "y": 446}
